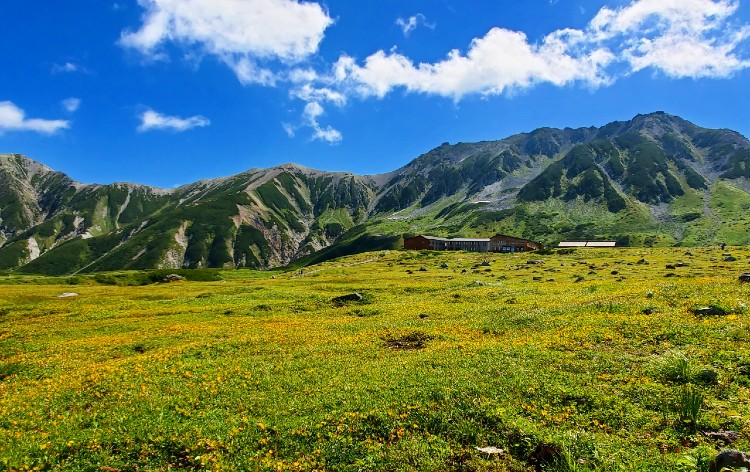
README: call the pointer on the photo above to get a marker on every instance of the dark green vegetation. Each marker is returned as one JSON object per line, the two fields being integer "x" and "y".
{"x": 588, "y": 360}
{"x": 656, "y": 180}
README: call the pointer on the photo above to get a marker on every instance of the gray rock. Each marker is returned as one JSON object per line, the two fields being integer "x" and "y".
{"x": 535, "y": 262}
{"x": 707, "y": 376}
{"x": 351, "y": 297}
{"x": 67, "y": 295}
{"x": 730, "y": 259}
{"x": 443, "y": 265}
{"x": 727, "y": 437}
{"x": 423, "y": 269}
{"x": 729, "y": 459}
{"x": 709, "y": 311}
{"x": 173, "y": 278}
{"x": 745, "y": 277}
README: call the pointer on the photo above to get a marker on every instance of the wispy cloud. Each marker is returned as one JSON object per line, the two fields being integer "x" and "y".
{"x": 152, "y": 120}
{"x": 410, "y": 24}
{"x": 68, "y": 68}
{"x": 313, "y": 111}
{"x": 13, "y": 118}
{"x": 71, "y": 104}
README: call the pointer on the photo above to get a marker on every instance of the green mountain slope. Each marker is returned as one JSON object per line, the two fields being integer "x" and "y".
{"x": 655, "y": 179}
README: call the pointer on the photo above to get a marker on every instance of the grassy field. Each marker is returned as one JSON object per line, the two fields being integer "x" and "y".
{"x": 587, "y": 360}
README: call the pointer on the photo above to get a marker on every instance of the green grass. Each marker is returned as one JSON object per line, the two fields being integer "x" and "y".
{"x": 589, "y": 361}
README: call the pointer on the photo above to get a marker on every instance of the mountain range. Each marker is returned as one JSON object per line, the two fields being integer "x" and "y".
{"x": 654, "y": 180}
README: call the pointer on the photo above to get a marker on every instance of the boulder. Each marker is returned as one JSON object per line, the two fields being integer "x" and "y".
{"x": 729, "y": 459}
{"x": 745, "y": 277}
{"x": 730, "y": 259}
{"x": 173, "y": 278}
{"x": 423, "y": 269}
{"x": 535, "y": 262}
{"x": 67, "y": 295}
{"x": 712, "y": 310}
{"x": 443, "y": 265}
{"x": 491, "y": 450}
{"x": 707, "y": 376}
{"x": 351, "y": 297}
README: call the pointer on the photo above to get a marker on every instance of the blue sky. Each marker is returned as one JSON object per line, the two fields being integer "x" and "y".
{"x": 166, "y": 92}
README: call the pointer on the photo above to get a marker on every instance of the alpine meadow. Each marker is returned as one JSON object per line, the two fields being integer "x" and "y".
{"x": 375, "y": 236}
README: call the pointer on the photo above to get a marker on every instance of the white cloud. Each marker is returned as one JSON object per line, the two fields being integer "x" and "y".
{"x": 313, "y": 111}
{"x": 71, "y": 104}
{"x": 680, "y": 38}
{"x": 13, "y": 118}
{"x": 151, "y": 120}
{"x": 68, "y": 67}
{"x": 409, "y": 25}
{"x": 501, "y": 61}
{"x": 239, "y": 32}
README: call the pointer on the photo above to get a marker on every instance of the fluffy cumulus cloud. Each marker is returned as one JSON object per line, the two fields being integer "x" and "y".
{"x": 13, "y": 118}
{"x": 152, "y": 120}
{"x": 243, "y": 33}
{"x": 271, "y": 42}
{"x": 680, "y": 38}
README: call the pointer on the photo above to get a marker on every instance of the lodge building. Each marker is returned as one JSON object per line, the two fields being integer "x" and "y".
{"x": 497, "y": 243}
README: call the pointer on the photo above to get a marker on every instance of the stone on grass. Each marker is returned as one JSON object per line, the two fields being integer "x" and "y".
{"x": 745, "y": 277}
{"x": 727, "y": 437}
{"x": 707, "y": 376}
{"x": 712, "y": 310}
{"x": 173, "y": 278}
{"x": 350, "y": 297}
{"x": 491, "y": 450}
{"x": 67, "y": 295}
{"x": 729, "y": 459}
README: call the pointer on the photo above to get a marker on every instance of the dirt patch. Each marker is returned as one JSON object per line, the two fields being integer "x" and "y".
{"x": 407, "y": 342}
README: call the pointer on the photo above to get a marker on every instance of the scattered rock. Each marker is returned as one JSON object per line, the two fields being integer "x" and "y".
{"x": 463, "y": 271}
{"x": 671, "y": 266}
{"x": 649, "y": 294}
{"x": 485, "y": 263}
{"x": 67, "y": 295}
{"x": 172, "y": 278}
{"x": 727, "y": 254}
{"x": 648, "y": 310}
{"x": 423, "y": 316}
{"x": 443, "y": 265}
{"x": 712, "y": 310}
{"x": 730, "y": 259}
{"x": 423, "y": 269}
{"x": 642, "y": 261}
{"x": 614, "y": 272}
{"x": 478, "y": 283}
{"x": 537, "y": 279}
{"x": 728, "y": 437}
{"x": 491, "y": 450}
{"x": 535, "y": 262}
{"x": 729, "y": 459}
{"x": 745, "y": 277}
{"x": 578, "y": 279}
{"x": 682, "y": 264}
{"x": 707, "y": 376}
{"x": 351, "y": 297}
{"x": 409, "y": 271}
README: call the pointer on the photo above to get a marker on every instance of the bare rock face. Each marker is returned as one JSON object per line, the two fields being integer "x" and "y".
{"x": 730, "y": 459}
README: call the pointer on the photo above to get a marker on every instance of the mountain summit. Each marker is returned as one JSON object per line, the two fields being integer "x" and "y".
{"x": 656, "y": 179}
